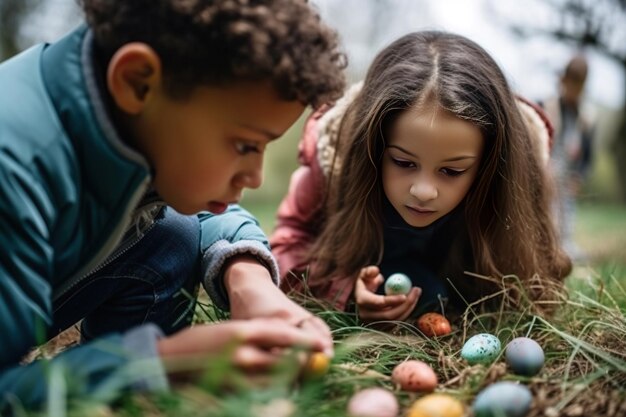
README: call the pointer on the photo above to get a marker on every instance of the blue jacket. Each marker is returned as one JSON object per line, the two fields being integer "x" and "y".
{"x": 69, "y": 190}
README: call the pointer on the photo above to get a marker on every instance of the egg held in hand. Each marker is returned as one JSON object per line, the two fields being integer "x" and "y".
{"x": 317, "y": 366}
{"x": 398, "y": 283}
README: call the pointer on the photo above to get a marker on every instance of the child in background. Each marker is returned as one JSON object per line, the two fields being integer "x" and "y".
{"x": 430, "y": 168}
{"x": 573, "y": 151}
{"x": 111, "y": 140}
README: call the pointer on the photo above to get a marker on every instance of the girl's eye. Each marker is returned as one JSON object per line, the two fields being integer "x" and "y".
{"x": 244, "y": 148}
{"x": 403, "y": 163}
{"x": 451, "y": 172}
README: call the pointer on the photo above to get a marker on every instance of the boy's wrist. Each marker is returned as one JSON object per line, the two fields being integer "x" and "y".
{"x": 242, "y": 270}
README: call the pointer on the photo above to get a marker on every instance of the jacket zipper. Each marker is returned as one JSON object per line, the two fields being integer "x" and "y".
{"x": 109, "y": 247}
{"x": 115, "y": 255}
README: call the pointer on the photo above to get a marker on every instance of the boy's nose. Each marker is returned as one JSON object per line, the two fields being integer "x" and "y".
{"x": 251, "y": 178}
{"x": 255, "y": 179}
{"x": 424, "y": 190}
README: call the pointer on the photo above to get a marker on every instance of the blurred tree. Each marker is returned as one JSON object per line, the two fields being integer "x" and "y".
{"x": 598, "y": 24}
{"x": 12, "y": 14}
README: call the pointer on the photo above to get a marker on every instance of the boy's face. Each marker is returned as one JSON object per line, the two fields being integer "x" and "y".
{"x": 207, "y": 148}
{"x": 430, "y": 163}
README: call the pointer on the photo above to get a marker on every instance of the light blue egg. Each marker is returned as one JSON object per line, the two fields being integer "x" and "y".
{"x": 503, "y": 399}
{"x": 481, "y": 348}
{"x": 524, "y": 356}
{"x": 398, "y": 283}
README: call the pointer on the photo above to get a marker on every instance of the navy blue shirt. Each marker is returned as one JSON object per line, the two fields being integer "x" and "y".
{"x": 419, "y": 253}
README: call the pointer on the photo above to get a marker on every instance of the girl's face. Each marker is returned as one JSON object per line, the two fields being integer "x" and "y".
{"x": 430, "y": 162}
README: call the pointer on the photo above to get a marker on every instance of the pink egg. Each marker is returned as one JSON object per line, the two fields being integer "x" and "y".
{"x": 414, "y": 375}
{"x": 373, "y": 402}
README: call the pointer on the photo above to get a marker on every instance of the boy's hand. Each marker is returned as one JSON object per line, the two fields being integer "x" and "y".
{"x": 256, "y": 345}
{"x": 376, "y": 307}
{"x": 252, "y": 294}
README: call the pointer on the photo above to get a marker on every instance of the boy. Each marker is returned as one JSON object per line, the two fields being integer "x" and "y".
{"x": 111, "y": 140}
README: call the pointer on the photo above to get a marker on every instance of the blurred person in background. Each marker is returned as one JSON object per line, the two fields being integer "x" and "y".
{"x": 571, "y": 154}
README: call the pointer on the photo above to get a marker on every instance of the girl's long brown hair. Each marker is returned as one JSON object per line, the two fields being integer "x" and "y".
{"x": 507, "y": 209}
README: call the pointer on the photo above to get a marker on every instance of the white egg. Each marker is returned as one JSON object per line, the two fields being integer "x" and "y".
{"x": 398, "y": 283}
{"x": 373, "y": 402}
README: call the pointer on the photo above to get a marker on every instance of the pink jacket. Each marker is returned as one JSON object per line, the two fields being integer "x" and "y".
{"x": 297, "y": 228}
{"x": 297, "y": 225}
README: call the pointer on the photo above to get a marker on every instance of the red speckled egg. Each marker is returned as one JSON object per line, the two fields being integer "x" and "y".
{"x": 433, "y": 324}
{"x": 414, "y": 375}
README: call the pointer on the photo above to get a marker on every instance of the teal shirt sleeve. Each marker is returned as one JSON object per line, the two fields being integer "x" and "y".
{"x": 101, "y": 369}
{"x": 98, "y": 371}
{"x": 26, "y": 259}
{"x": 234, "y": 232}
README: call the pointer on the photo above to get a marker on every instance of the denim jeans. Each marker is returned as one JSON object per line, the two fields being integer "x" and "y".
{"x": 156, "y": 280}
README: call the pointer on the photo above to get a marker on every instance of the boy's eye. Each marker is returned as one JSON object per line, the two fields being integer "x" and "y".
{"x": 452, "y": 172}
{"x": 403, "y": 163}
{"x": 244, "y": 148}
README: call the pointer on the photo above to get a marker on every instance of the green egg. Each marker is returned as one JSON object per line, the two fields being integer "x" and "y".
{"x": 482, "y": 348}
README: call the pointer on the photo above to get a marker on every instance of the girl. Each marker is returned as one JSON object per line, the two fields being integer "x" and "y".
{"x": 431, "y": 168}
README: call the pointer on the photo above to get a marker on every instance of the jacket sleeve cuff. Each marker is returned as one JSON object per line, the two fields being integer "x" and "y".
{"x": 141, "y": 341}
{"x": 219, "y": 253}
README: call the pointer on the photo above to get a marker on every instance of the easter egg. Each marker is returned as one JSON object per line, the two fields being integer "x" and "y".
{"x": 524, "y": 356}
{"x": 436, "y": 405}
{"x": 503, "y": 399}
{"x": 398, "y": 284}
{"x": 481, "y": 348}
{"x": 433, "y": 324}
{"x": 373, "y": 402}
{"x": 317, "y": 365}
{"x": 414, "y": 375}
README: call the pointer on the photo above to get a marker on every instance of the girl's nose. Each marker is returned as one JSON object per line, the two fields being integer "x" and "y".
{"x": 424, "y": 189}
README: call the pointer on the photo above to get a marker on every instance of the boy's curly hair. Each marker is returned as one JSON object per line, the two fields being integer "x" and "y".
{"x": 210, "y": 42}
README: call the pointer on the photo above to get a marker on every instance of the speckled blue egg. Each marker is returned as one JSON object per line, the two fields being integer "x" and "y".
{"x": 481, "y": 348}
{"x": 524, "y": 356}
{"x": 398, "y": 283}
{"x": 503, "y": 399}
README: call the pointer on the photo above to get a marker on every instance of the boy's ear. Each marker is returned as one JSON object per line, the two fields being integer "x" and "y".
{"x": 133, "y": 74}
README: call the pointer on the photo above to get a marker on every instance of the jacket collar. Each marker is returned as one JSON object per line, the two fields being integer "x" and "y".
{"x": 72, "y": 82}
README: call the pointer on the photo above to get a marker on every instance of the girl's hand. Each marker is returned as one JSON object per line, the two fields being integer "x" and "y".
{"x": 250, "y": 345}
{"x": 375, "y": 307}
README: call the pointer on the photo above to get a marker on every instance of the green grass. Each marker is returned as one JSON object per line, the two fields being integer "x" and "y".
{"x": 584, "y": 374}
{"x": 601, "y": 232}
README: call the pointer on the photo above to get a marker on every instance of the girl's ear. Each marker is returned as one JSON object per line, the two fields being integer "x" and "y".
{"x": 133, "y": 75}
